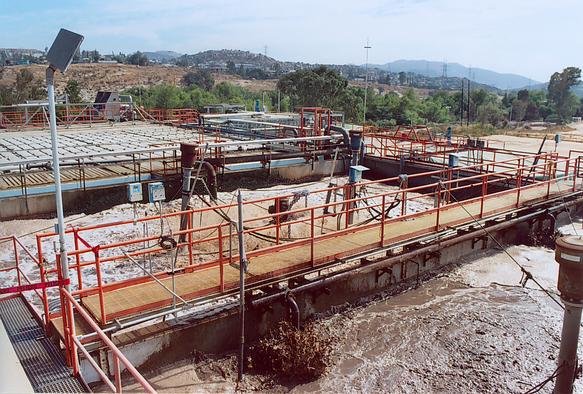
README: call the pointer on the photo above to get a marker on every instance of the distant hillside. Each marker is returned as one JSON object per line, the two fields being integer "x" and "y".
{"x": 162, "y": 56}
{"x": 480, "y": 75}
{"x": 225, "y": 55}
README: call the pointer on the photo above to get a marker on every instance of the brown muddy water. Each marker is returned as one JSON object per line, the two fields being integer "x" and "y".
{"x": 470, "y": 329}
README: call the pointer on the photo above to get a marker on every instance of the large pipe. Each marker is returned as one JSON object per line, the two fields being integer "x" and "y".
{"x": 212, "y": 178}
{"x": 344, "y": 133}
{"x": 295, "y": 309}
{"x": 569, "y": 255}
{"x": 187, "y": 155}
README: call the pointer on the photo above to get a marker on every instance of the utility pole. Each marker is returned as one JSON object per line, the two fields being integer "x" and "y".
{"x": 469, "y": 107}
{"x": 366, "y": 47}
{"x": 462, "y": 105}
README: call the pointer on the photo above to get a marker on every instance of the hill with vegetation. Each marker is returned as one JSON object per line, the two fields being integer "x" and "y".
{"x": 427, "y": 68}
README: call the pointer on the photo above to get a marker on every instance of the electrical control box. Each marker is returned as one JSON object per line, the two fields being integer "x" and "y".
{"x": 135, "y": 192}
{"x": 355, "y": 173}
{"x": 156, "y": 192}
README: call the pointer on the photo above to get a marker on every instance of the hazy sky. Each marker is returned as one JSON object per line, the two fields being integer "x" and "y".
{"x": 529, "y": 37}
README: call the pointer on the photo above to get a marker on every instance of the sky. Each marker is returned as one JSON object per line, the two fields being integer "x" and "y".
{"x": 533, "y": 38}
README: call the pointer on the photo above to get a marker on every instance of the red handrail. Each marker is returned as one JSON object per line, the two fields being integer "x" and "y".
{"x": 117, "y": 355}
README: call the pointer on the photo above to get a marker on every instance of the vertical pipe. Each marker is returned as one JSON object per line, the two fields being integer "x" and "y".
{"x": 568, "y": 352}
{"x": 242, "y": 269}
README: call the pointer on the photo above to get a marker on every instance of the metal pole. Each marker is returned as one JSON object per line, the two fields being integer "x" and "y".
{"x": 242, "y": 269}
{"x": 367, "y": 47}
{"x": 57, "y": 175}
{"x": 568, "y": 352}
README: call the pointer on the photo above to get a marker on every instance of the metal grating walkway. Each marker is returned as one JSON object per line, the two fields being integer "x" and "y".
{"x": 41, "y": 359}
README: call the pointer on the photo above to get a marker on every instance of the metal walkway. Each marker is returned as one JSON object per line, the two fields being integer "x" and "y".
{"x": 42, "y": 361}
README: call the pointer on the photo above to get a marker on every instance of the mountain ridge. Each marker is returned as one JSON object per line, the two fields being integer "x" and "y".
{"x": 430, "y": 68}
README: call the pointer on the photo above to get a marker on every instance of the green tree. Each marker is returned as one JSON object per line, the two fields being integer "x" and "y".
{"x": 560, "y": 96}
{"x": 519, "y": 110}
{"x": 231, "y": 68}
{"x": 198, "y": 77}
{"x": 402, "y": 78}
{"x": 490, "y": 113}
{"x": 94, "y": 56}
{"x": 27, "y": 88}
{"x": 523, "y": 95}
{"x": 73, "y": 91}
{"x": 313, "y": 87}
{"x": 138, "y": 58}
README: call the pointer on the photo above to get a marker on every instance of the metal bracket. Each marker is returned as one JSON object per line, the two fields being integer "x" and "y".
{"x": 483, "y": 238}
{"x": 381, "y": 272}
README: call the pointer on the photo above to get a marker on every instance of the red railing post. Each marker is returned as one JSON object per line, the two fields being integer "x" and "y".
{"x": 117, "y": 373}
{"x": 277, "y": 220}
{"x": 383, "y": 222}
{"x": 519, "y": 186}
{"x": 64, "y": 315}
{"x": 73, "y": 334}
{"x": 575, "y": 172}
{"x": 189, "y": 221}
{"x": 221, "y": 268}
{"x": 78, "y": 260}
{"x": 438, "y": 206}
{"x": 99, "y": 285}
{"x": 16, "y": 260}
{"x": 483, "y": 196}
{"x": 42, "y": 273}
{"x": 312, "y": 236}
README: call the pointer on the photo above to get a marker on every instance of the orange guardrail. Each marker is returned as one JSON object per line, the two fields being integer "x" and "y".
{"x": 517, "y": 174}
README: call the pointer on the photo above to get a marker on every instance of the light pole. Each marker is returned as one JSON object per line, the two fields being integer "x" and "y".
{"x": 60, "y": 57}
{"x": 367, "y": 47}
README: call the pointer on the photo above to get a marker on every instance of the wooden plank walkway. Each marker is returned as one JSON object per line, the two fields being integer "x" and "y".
{"x": 129, "y": 300}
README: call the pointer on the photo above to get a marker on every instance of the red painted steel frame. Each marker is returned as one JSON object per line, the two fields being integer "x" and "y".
{"x": 512, "y": 172}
